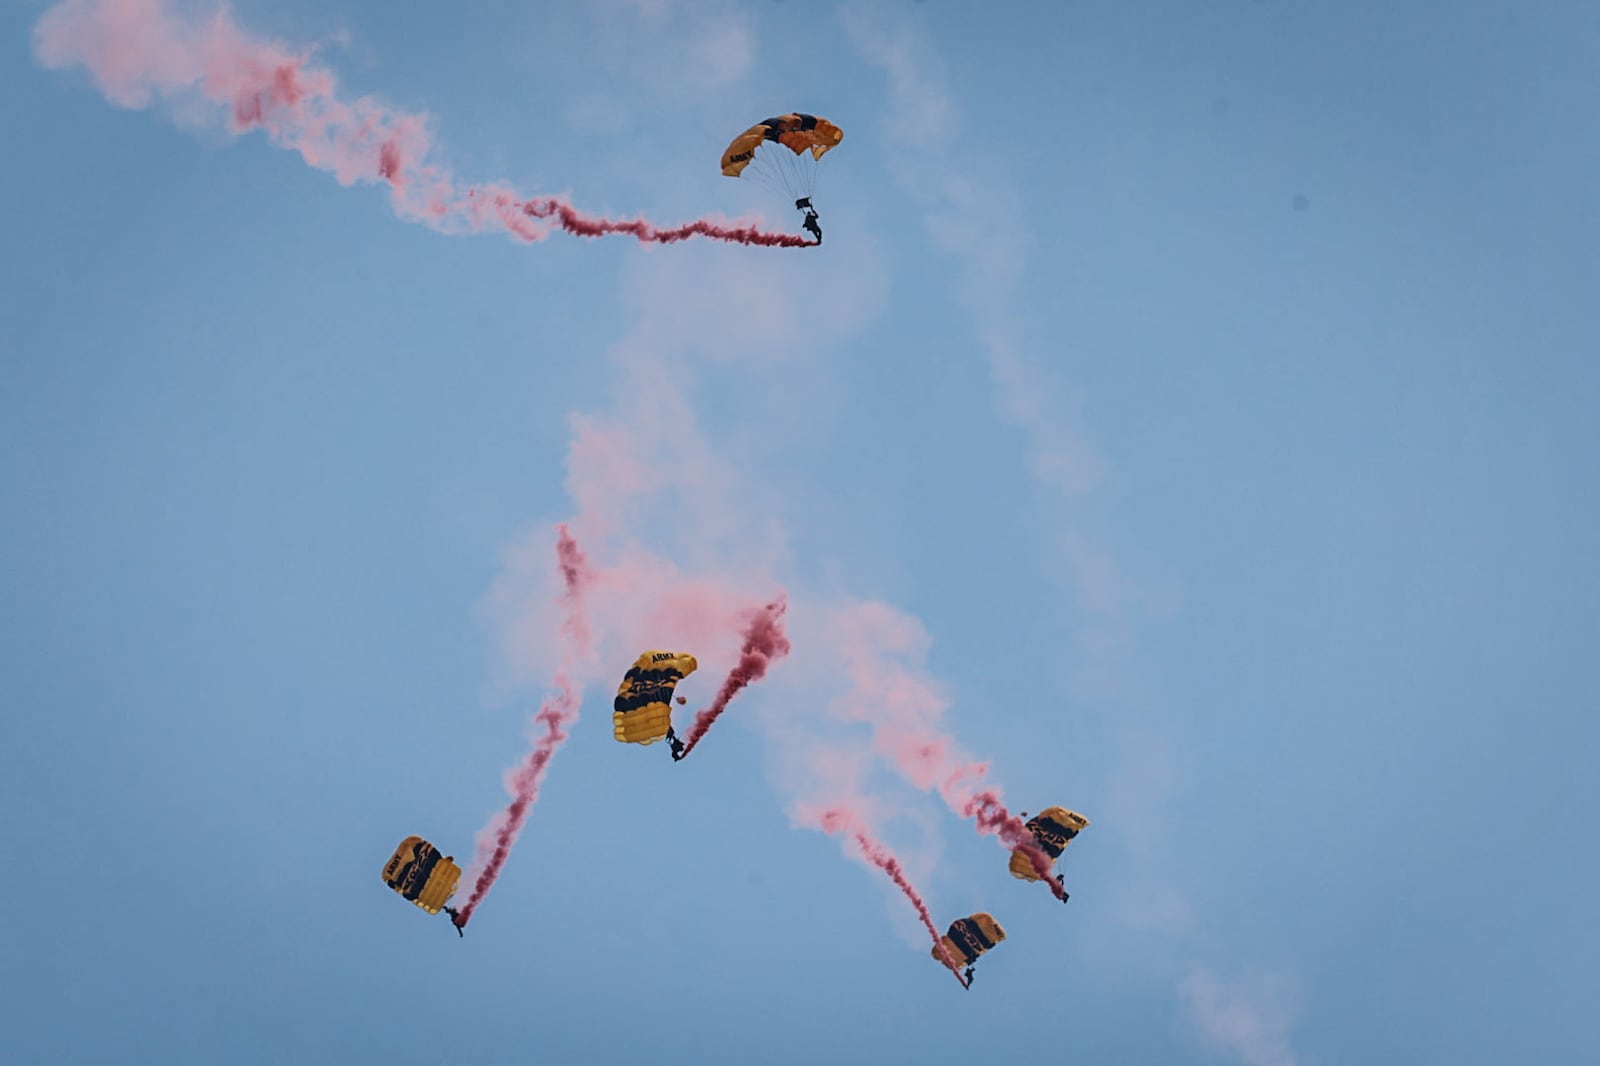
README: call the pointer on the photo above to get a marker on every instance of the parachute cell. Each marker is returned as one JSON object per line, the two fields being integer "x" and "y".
{"x": 421, "y": 874}
{"x": 969, "y": 938}
{"x": 642, "y": 711}
{"x": 1053, "y": 828}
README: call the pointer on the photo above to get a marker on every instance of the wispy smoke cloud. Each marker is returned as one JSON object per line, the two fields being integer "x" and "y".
{"x": 1248, "y": 1017}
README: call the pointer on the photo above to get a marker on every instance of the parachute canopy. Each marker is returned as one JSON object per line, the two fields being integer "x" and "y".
{"x": 418, "y": 872}
{"x": 969, "y": 937}
{"x": 775, "y": 152}
{"x": 1053, "y": 828}
{"x": 642, "y": 711}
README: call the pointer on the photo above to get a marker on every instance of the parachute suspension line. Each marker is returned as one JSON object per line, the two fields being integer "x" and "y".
{"x": 766, "y": 174}
{"x": 780, "y": 170}
{"x": 775, "y": 167}
{"x": 785, "y": 161}
{"x": 816, "y": 175}
{"x": 801, "y": 171}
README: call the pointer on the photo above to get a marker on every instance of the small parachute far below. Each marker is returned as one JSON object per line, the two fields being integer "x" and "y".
{"x": 969, "y": 938}
{"x": 420, "y": 873}
{"x": 642, "y": 711}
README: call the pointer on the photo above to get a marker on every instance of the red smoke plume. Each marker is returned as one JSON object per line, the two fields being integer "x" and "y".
{"x": 588, "y": 226}
{"x": 136, "y": 50}
{"x": 555, "y": 714}
{"x": 764, "y": 642}
{"x": 838, "y": 820}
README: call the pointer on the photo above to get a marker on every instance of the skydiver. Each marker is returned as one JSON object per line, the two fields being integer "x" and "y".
{"x": 810, "y": 225}
{"x": 455, "y": 920}
{"x": 968, "y": 976}
{"x": 1061, "y": 879}
{"x": 677, "y": 745}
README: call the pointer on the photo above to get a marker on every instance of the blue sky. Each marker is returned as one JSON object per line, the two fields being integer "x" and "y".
{"x": 1205, "y": 392}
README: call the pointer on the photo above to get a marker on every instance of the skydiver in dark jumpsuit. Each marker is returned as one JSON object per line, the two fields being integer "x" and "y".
{"x": 810, "y": 225}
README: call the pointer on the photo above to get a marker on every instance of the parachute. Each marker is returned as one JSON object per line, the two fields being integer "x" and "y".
{"x": 1053, "y": 828}
{"x": 642, "y": 711}
{"x": 418, "y": 872}
{"x": 969, "y": 938}
{"x": 784, "y": 153}
{"x": 800, "y": 133}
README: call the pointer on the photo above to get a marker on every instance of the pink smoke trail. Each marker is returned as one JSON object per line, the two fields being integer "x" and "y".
{"x": 881, "y": 648}
{"x": 991, "y": 817}
{"x": 136, "y": 50}
{"x": 764, "y": 642}
{"x": 838, "y": 820}
{"x": 588, "y": 226}
{"x": 555, "y": 714}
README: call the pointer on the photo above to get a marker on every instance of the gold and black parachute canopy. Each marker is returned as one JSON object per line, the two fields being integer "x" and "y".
{"x": 969, "y": 938}
{"x": 1053, "y": 829}
{"x": 795, "y": 131}
{"x": 782, "y": 152}
{"x": 421, "y": 874}
{"x": 642, "y": 711}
